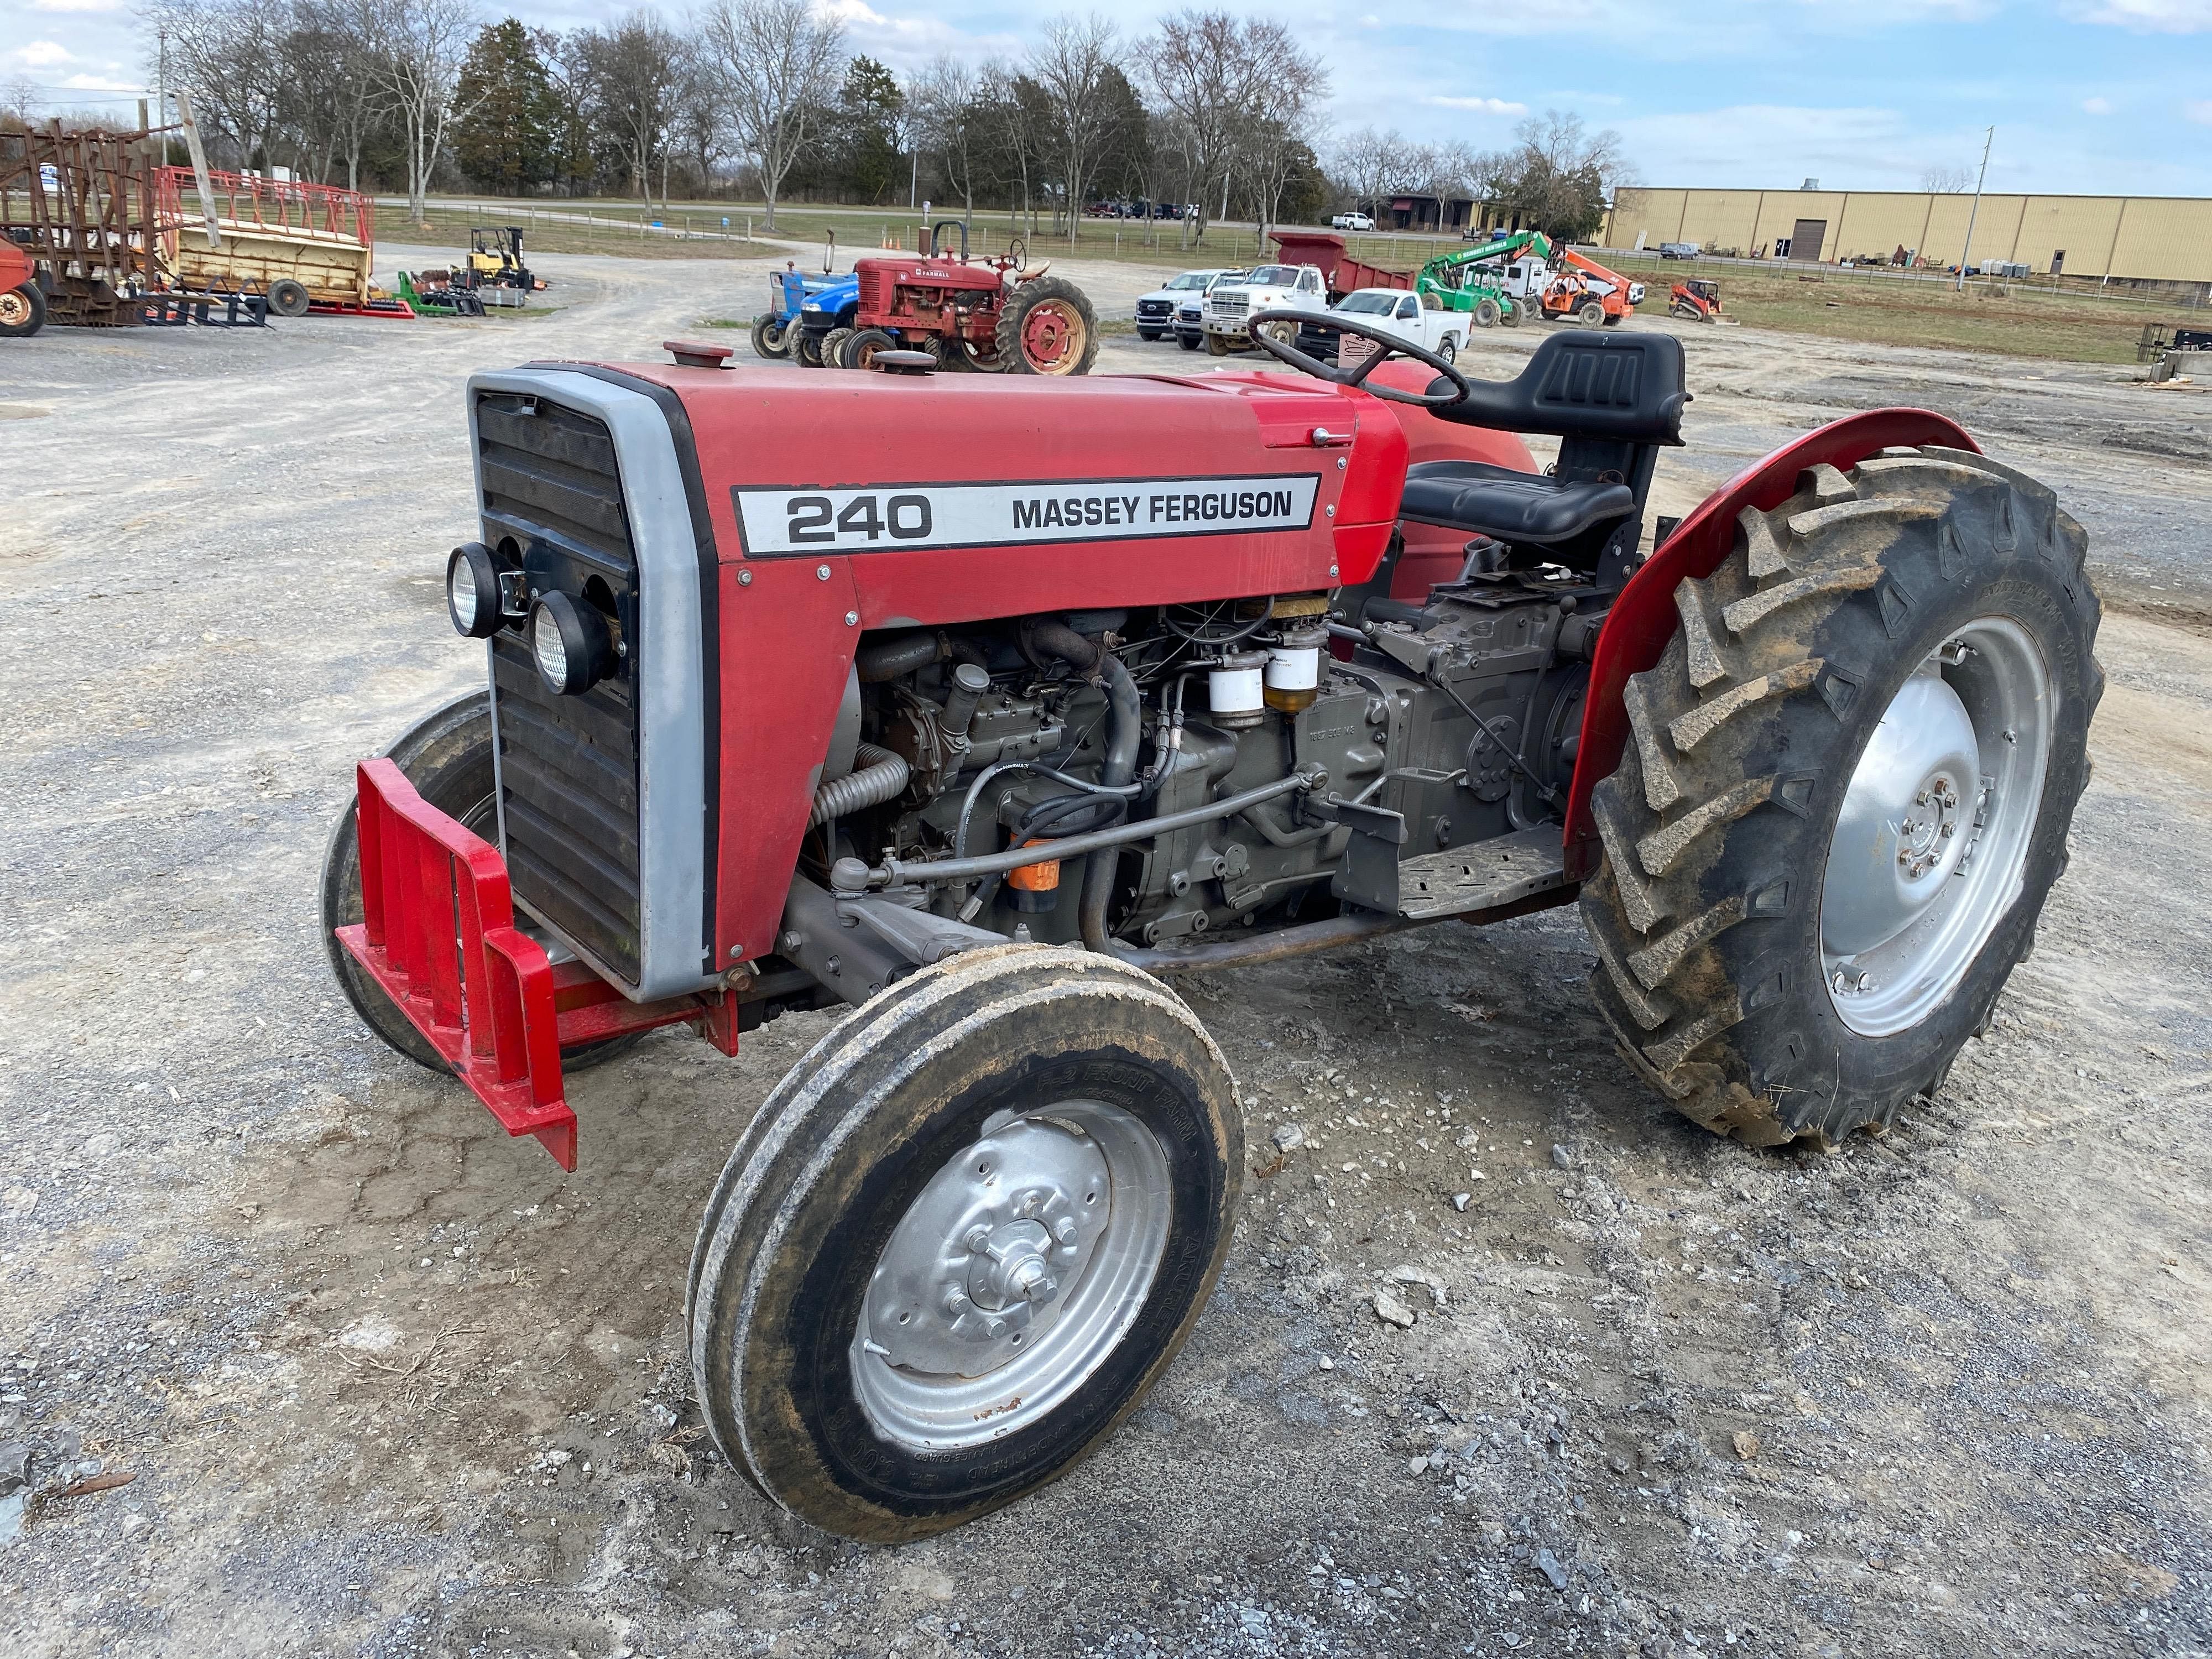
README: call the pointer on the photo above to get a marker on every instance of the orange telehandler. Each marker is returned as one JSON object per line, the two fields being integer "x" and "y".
{"x": 1586, "y": 292}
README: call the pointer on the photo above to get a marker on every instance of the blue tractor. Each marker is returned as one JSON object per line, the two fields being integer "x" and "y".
{"x": 803, "y": 312}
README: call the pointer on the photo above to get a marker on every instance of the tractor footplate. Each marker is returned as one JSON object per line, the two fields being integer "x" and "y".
{"x": 1483, "y": 877}
{"x": 438, "y": 935}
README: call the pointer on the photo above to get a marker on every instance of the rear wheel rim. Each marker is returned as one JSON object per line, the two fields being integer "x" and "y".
{"x": 14, "y": 308}
{"x": 1930, "y": 847}
{"x": 1013, "y": 1276}
{"x": 1052, "y": 337}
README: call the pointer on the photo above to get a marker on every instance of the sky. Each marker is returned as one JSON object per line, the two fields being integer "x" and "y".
{"x": 2087, "y": 96}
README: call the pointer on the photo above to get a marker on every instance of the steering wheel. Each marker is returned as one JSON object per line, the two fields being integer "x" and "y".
{"x": 1016, "y": 255}
{"x": 1392, "y": 346}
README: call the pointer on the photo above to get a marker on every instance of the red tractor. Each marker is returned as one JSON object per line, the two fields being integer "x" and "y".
{"x": 989, "y": 314}
{"x": 22, "y": 301}
{"x": 990, "y": 753}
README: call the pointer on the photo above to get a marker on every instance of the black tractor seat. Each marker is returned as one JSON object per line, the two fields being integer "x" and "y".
{"x": 1514, "y": 507}
{"x": 1613, "y": 400}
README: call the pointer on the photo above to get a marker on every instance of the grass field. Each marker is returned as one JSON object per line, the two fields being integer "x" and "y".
{"x": 2015, "y": 320}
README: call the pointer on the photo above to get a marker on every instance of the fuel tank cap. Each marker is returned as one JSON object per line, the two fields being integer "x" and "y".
{"x": 691, "y": 355}
{"x": 906, "y": 362}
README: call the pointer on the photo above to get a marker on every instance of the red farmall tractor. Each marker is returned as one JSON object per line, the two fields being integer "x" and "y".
{"x": 993, "y": 315}
{"x": 1192, "y": 672}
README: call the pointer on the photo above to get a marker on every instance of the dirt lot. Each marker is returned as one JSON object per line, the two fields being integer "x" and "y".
{"x": 389, "y": 1383}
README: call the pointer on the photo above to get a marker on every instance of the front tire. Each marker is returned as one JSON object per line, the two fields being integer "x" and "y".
{"x": 1148, "y": 335}
{"x": 771, "y": 337}
{"x": 962, "y": 1239}
{"x": 808, "y": 350}
{"x": 1188, "y": 342}
{"x": 1217, "y": 346}
{"x": 833, "y": 347}
{"x": 1486, "y": 314}
{"x": 449, "y": 759}
{"x": 1846, "y": 795}
{"x": 1591, "y": 314}
{"x": 861, "y": 349}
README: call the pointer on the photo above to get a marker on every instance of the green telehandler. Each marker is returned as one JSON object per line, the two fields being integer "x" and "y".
{"x": 1459, "y": 281}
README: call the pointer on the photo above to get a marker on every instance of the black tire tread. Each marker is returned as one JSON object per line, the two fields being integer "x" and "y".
{"x": 1694, "y": 764}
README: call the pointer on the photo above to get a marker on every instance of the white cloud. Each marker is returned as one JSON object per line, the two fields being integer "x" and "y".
{"x": 2096, "y": 107}
{"x": 1481, "y": 105}
{"x": 2200, "y": 111}
{"x": 76, "y": 5}
{"x": 2146, "y": 17}
{"x": 39, "y": 54}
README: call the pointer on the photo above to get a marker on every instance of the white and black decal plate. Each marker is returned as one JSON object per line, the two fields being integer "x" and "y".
{"x": 800, "y": 522}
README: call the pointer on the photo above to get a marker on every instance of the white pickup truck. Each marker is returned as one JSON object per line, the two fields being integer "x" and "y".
{"x": 1231, "y": 307}
{"x": 1402, "y": 315}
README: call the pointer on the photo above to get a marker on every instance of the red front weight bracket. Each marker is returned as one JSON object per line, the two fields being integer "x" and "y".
{"x": 438, "y": 935}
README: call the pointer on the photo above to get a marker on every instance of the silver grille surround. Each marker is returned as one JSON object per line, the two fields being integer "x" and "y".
{"x": 671, "y": 658}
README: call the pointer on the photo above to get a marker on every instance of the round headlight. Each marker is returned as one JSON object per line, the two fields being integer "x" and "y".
{"x": 472, "y": 591}
{"x": 572, "y": 644}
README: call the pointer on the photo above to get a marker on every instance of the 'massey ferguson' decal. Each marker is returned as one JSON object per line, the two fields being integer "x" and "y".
{"x": 893, "y": 518}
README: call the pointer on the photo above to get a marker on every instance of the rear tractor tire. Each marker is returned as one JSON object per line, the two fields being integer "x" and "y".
{"x": 449, "y": 759}
{"x": 1845, "y": 795}
{"x": 964, "y": 1236}
{"x": 1046, "y": 327}
{"x": 771, "y": 337}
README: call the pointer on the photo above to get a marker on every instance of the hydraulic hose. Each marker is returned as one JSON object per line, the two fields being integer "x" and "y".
{"x": 877, "y": 775}
{"x": 1124, "y": 729}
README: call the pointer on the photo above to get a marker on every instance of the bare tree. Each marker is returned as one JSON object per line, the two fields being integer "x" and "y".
{"x": 417, "y": 51}
{"x": 1946, "y": 180}
{"x": 333, "y": 102}
{"x": 778, "y": 64}
{"x": 701, "y": 113}
{"x": 1270, "y": 140}
{"x": 1564, "y": 174}
{"x": 1070, "y": 65}
{"x": 1373, "y": 165}
{"x": 639, "y": 67}
{"x": 949, "y": 109}
{"x": 1009, "y": 124}
{"x": 231, "y": 54}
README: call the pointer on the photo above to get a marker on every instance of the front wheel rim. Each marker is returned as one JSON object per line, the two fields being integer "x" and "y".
{"x": 1930, "y": 847}
{"x": 1013, "y": 1276}
{"x": 14, "y": 309}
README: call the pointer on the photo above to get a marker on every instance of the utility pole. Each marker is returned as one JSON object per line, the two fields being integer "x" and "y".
{"x": 1975, "y": 212}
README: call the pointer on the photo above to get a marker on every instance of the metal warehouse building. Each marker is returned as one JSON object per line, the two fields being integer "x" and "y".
{"x": 2135, "y": 239}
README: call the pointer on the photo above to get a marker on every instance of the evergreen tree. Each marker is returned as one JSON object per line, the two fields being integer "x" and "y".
{"x": 509, "y": 141}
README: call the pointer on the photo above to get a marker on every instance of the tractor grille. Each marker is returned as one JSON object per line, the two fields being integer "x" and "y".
{"x": 871, "y": 291}
{"x": 569, "y": 771}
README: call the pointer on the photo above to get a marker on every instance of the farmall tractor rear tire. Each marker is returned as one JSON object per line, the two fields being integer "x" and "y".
{"x": 1046, "y": 327}
{"x": 23, "y": 312}
{"x": 449, "y": 759}
{"x": 963, "y": 1238}
{"x": 1846, "y": 795}
{"x": 771, "y": 337}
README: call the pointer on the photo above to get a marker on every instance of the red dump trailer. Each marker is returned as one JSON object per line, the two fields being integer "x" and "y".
{"x": 1344, "y": 274}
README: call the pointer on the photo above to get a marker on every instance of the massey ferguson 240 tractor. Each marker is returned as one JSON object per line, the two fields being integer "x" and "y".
{"x": 987, "y": 706}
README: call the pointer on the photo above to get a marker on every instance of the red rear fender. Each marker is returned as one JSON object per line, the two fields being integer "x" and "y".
{"x": 1643, "y": 619}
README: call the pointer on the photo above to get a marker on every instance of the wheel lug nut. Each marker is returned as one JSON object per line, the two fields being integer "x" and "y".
{"x": 995, "y": 1325}
{"x": 978, "y": 1240}
{"x": 1065, "y": 1232}
{"x": 956, "y": 1302}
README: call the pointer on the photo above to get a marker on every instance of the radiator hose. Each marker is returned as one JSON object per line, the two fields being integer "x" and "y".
{"x": 1124, "y": 729}
{"x": 877, "y": 775}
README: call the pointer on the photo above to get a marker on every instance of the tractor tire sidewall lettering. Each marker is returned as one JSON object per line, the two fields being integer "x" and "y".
{"x": 449, "y": 759}
{"x": 829, "y": 1167}
{"x": 1738, "y": 1027}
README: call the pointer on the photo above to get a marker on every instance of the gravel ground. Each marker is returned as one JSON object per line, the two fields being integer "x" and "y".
{"x": 385, "y": 1383}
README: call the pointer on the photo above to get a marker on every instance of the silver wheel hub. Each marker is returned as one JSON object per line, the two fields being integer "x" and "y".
{"x": 1929, "y": 848}
{"x": 1011, "y": 1275}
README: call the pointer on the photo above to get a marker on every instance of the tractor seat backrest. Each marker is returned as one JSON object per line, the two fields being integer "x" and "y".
{"x": 1620, "y": 387}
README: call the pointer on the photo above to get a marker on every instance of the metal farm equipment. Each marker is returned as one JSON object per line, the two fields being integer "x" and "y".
{"x": 983, "y": 710}
{"x": 993, "y": 315}
{"x": 81, "y": 206}
{"x": 305, "y": 247}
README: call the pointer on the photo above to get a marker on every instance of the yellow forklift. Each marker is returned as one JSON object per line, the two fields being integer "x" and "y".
{"x": 495, "y": 260}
